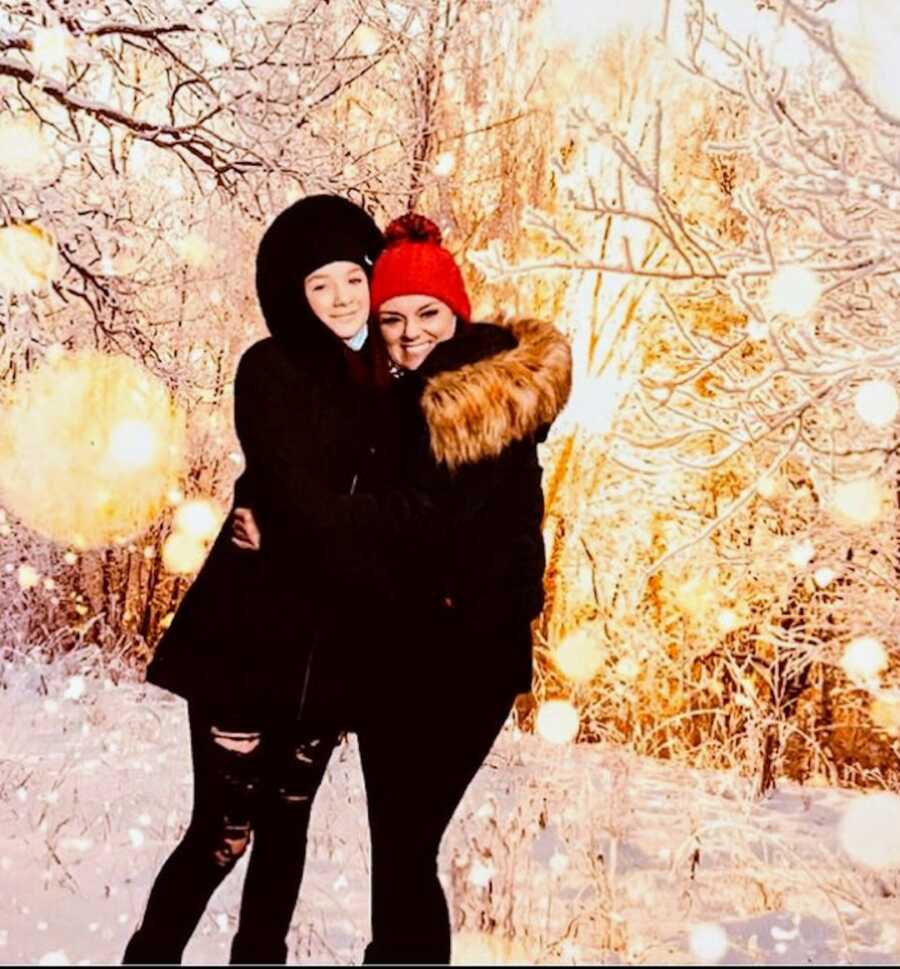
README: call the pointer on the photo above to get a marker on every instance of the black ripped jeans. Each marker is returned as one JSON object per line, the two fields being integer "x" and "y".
{"x": 418, "y": 757}
{"x": 258, "y": 783}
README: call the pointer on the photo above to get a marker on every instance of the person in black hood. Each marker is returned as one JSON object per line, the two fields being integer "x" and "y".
{"x": 312, "y": 417}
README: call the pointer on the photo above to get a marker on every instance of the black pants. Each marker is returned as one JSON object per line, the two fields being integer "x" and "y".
{"x": 416, "y": 766}
{"x": 245, "y": 782}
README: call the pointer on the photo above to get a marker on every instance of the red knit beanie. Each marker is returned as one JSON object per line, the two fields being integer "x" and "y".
{"x": 414, "y": 262}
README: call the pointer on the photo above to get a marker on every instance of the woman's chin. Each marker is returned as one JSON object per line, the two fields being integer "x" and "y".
{"x": 413, "y": 359}
{"x": 346, "y": 330}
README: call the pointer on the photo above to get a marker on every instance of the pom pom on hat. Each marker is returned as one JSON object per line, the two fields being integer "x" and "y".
{"x": 414, "y": 262}
{"x": 412, "y": 227}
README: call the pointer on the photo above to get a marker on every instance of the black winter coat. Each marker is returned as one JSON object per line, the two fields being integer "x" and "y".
{"x": 462, "y": 619}
{"x": 241, "y": 638}
{"x": 311, "y": 427}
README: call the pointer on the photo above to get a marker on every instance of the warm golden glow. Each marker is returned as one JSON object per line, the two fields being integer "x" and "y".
{"x": 194, "y": 249}
{"x": 885, "y": 711}
{"x": 28, "y": 577}
{"x": 488, "y": 949}
{"x": 859, "y": 502}
{"x": 367, "y": 40}
{"x": 695, "y": 596}
{"x": 23, "y": 151}
{"x": 727, "y": 620}
{"x": 577, "y": 27}
{"x": 794, "y": 291}
{"x": 183, "y": 554}
{"x": 627, "y": 669}
{"x": 876, "y": 402}
{"x": 28, "y": 258}
{"x": 580, "y": 655}
{"x": 801, "y": 553}
{"x": 133, "y": 444}
{"x": 824, "y": 576}
{"x": 198, "y": 519}
{"x": 557, "y": 721}
{"x": 50, "y": 49}
{"x": 89, "y": 446}
{"x": 864, "y": 659}
{"x": 767, "y": 487}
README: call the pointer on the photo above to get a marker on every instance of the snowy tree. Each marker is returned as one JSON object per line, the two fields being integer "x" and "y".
{"x": 721, "y": 508}
{"x": 142, "y": 150}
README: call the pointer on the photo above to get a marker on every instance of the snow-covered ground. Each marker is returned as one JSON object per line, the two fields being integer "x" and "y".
{"x": 582, "y": 854}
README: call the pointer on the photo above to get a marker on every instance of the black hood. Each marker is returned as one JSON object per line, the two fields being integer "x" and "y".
{"x": 308, "y": 234}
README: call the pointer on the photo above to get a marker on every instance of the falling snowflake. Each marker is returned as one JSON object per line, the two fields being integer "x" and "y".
{"x": 570, "y": 951}
{"x": 481, "y": 874}
{"x": 75, "y": 688}
{"x": 28, "y": 577}
{"x": 708, "y": 942}
{"x": 56, "y": 957}
{"x": 870, "y": 830}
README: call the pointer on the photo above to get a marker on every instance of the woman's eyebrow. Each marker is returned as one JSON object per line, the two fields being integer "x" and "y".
{"x": 426, "y": 306}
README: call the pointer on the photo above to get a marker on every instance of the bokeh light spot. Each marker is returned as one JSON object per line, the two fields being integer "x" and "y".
{"x": 89, "y": 445}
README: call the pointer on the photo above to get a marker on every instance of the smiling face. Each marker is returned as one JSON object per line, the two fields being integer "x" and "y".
{"x": 413, "y": 325}
{"x": 338, "y": 294}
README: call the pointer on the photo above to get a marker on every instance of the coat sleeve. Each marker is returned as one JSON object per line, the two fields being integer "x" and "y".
{"x": 351, "y": 535}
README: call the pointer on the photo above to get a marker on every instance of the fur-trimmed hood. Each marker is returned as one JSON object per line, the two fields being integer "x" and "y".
{"x": 474, "y": 411}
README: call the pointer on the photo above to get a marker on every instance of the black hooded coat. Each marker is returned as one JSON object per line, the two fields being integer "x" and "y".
{"x": 461, "y": 615}
{"x": 240, "y": 643}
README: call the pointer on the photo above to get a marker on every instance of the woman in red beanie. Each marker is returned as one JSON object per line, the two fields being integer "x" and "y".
{"x": 436, "y": 679}
{"x": 488, "y": 394}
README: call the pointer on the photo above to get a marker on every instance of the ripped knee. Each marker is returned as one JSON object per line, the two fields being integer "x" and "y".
{"x": 237, "y": 741}
{"x": 234, "y": 841}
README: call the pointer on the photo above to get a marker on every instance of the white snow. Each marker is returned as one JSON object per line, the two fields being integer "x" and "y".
{"x": 558, "y": 855}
